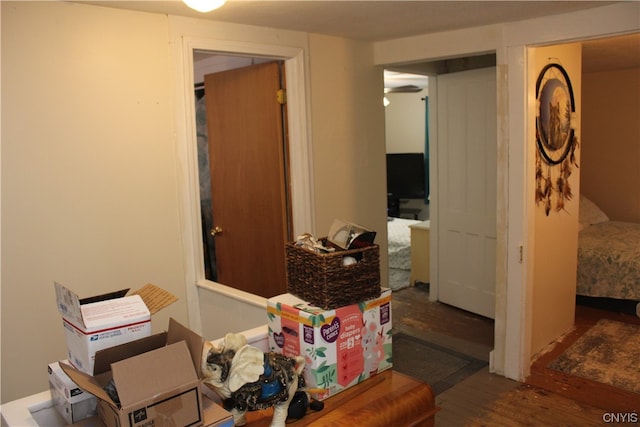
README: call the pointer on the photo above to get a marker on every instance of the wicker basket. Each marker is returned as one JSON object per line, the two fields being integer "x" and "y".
{"x": 323, "y": 280}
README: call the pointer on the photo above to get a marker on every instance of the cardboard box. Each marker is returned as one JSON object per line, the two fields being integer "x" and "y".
{"x": 73, "y": 403}
{"x": 342, "y": 347}
{"x": 106, "y": 320}
{"x": 215, "y": 415}
{"x": 157, "y": 380}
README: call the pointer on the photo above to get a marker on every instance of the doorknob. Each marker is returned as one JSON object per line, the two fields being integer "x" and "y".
{"x": 215, "y": 231}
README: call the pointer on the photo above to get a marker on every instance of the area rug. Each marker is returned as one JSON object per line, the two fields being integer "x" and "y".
{"x": 439, "y": 367}
{"x": 607, "y": 353}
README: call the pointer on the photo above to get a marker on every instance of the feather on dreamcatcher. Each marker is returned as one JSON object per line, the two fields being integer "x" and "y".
{"x": 555, "y": 138}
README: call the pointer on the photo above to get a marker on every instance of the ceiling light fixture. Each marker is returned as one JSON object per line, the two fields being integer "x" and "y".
{"x": 204, "y": 6}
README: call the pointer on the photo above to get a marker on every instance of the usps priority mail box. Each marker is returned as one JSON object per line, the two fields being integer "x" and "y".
{"x": 99, "y": 322}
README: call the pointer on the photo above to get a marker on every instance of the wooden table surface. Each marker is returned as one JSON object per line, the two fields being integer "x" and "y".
{"x": 386, "y": 399}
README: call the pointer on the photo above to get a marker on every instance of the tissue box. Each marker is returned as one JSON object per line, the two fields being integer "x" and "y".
{"x": 342, "y": 347}
{"x": 73, "y": 403}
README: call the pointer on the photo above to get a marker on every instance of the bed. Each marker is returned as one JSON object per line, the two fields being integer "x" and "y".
{"x": 608, "y": 256}
{"x": 399, "y": 247}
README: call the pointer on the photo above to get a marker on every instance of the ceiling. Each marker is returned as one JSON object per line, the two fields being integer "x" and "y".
{"x": 385, "y": 20}
{"x": 365, "y": 20}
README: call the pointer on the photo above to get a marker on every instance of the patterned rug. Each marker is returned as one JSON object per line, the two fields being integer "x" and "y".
{"x": 606, "y": 353}
{"x": 439, "y": 367}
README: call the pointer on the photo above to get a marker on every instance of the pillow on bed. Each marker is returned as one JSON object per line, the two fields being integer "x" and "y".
{"x": 590, "y": 213}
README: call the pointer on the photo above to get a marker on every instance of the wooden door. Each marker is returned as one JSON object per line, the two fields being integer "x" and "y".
{"x": 247, "y": 146}
{"x": 467, "y": 182}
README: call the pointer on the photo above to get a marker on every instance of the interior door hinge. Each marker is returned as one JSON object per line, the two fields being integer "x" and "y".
{"x": 281, "y": 96}
{"x": 521, "y": 254}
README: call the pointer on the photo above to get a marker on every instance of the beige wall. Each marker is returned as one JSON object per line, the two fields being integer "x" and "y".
{"x": 88, "y": 172}
{"x": 348, "y": 135}
{"x": 555, "y": 234}
{"x": 405, "y": 122}
{"x": 610, "y": 169}
{"x": 91, "y": 192}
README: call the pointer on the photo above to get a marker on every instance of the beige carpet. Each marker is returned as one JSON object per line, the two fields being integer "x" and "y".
{"x": 608, "y": 353}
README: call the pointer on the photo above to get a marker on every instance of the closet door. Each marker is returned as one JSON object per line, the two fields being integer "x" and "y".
{"x": 248, "y": 177}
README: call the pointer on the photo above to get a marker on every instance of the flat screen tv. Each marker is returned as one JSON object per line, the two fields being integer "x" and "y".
{"x": 405, "y": 176}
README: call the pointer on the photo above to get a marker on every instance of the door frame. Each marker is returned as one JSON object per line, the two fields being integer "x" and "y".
{"x": 301, "y": 172}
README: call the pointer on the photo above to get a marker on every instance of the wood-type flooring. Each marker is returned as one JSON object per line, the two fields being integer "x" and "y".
{"x": 547, "y": 397}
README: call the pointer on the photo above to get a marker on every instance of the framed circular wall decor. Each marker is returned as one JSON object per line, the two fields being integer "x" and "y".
{"x": 555, "y": 106}
{"x": 555, "y": 137}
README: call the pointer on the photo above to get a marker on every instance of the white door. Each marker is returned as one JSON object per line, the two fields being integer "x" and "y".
{"x": 467, "y": 179}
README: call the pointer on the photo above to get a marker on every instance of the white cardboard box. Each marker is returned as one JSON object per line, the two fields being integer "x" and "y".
{"x": 342, "y": 347}
{"x": 71, "y": 402}
{"x": 104, "y": 321}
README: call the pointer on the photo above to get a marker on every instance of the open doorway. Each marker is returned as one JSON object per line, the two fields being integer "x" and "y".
{"x": 609, "y": 151}
{"x": 407, "y": 150}
{"x": 463, "y": 171}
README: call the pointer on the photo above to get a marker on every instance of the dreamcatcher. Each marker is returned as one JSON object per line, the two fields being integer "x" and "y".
{"x": 555, "y": 138}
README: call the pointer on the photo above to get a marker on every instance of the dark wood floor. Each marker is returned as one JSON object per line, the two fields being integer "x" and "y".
{"x": 440, "y": 323}
{"x": 546, "y": 398}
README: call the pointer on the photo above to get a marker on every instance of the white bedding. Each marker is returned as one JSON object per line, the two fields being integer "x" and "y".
{"x": 399, "y": 238}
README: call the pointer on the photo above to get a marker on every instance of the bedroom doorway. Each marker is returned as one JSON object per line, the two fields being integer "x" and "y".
{"x": 461, "y": 174}
{"x": 406, "y": 139}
